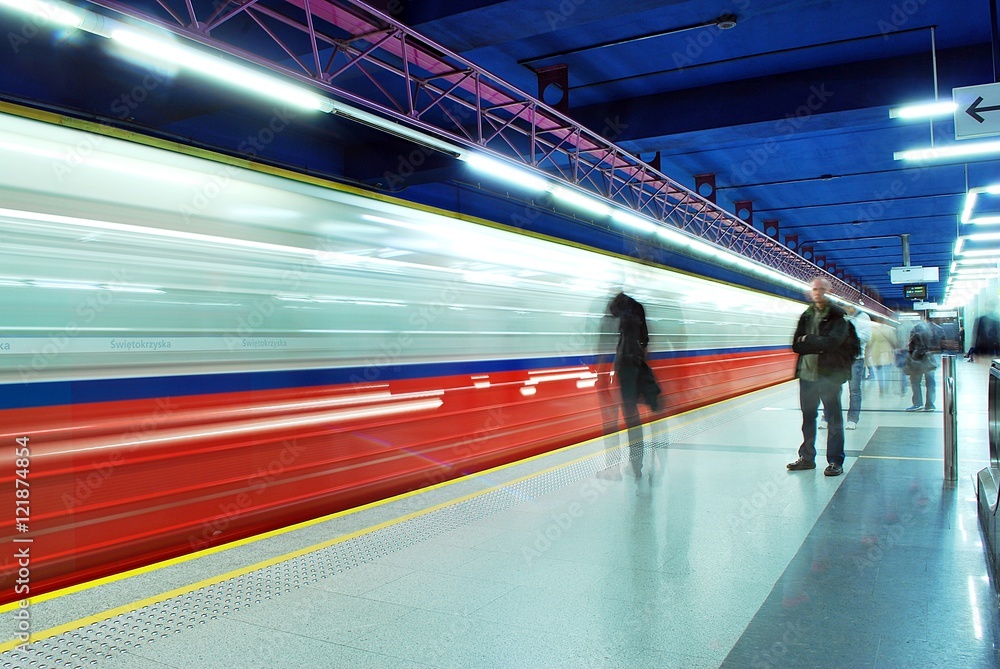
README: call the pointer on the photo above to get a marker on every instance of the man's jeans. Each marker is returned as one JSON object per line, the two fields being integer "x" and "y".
{"x": 918, "y": 398}
{"x": 811, "y": 393}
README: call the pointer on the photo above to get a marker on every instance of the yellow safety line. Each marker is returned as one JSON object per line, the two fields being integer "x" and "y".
{"x": 155, "y": 599}
{"x": 82, "y": 622}
{"x": 307, "y": 523}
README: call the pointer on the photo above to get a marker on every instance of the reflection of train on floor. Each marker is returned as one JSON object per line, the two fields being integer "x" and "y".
{"x": 195, "y": 352}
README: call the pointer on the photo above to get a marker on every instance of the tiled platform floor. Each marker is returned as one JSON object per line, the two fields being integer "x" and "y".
{"x": 717, "y": 556}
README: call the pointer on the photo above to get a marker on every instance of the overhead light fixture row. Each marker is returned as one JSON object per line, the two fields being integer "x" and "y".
{"x": 924, "y": 110}
{"x": 214, "y": 66}
{"x": 949, "y": 151}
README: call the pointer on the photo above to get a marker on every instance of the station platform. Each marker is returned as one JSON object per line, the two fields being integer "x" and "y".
{"x": 717, "y": 556}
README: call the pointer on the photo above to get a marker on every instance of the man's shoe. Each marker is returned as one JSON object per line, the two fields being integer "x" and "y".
{"x": 833, "y": 470}
{"x": 851, "y": 425}
{"x": 929, "y": 409}
{"x": 821, "y": 424}
{"x": 801, "y": 464}
{"x": 914, "y": 408}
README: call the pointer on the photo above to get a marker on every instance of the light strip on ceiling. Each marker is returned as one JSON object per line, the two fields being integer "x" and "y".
{"x": 577, "y": 199}
{"x": 971, "y": 197}
{"x": 924, "y": 110}
{"x": 990, "y": 252}
{"x": 48, "y": 11}
{"x": 223, "y": 70}
{"x": 233, "y": 73}
{"x": 216, "y": 67}
{"x": 505, "y": 171}
{"x": 950, "y": 151}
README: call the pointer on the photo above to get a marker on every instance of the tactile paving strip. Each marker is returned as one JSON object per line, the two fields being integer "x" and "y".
{"x": 94, "y": 644}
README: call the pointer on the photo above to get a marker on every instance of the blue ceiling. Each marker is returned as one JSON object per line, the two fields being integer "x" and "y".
{"x": 788, "y": 109}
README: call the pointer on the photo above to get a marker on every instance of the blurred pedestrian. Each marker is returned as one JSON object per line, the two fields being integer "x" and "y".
{"x": 923, "y": 357}
{"x": 863, "y": 326}
{"x": 632, "y": 373}
{"x": 881, "y": 351}
{"x": 985, "y": 337}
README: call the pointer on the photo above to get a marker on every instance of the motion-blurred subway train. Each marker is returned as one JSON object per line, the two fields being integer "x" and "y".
{"x": 195, "y": 349}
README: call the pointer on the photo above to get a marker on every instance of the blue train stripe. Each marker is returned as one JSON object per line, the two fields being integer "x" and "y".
{"x": 54, "y": 393}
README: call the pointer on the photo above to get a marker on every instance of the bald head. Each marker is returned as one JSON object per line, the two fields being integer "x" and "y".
{"x": 817, "y": 292}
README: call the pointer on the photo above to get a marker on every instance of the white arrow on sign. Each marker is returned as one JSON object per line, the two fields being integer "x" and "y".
{"x": 976, "y": 113}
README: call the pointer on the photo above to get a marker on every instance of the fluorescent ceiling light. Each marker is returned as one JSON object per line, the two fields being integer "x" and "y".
{"x": 56, "y": 13}
{"x": 970, "y": 205}
{"x": 505, "y": 171}
{"x": 982, "y": 237}
{"x": 634, "y": 221}
{"x": 674, "y": 237}
{"x": 380, "y": 123}
{"x": 924, "y": 110}
{"x": 217, "y": 68}
{"x": 950, "y": 151}
{"x": 580, "y": 200}
{"x": 210, "y": 65}
{"x": 974, "y": 273}
{"x": 992, "y": 253}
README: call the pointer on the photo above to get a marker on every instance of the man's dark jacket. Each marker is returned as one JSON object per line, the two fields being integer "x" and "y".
{"x": 834, "y": 362}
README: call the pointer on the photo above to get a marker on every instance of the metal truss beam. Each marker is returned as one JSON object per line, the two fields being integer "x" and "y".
{"x": 361, "y": 55}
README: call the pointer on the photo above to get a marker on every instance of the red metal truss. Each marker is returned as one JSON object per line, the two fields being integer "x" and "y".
{"x": 363, "y": 56}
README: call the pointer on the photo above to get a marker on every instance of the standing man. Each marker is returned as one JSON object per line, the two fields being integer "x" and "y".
{"x": 821, "y": 369}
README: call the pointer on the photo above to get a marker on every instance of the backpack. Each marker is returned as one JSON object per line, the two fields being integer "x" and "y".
{"x": 851, "y": 347}
{"x": 918, "y": 345}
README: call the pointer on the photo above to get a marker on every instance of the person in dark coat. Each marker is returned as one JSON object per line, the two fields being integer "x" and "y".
{"x": 822, "y": 368}
{"x": 985, "y": 338}
{"x": 633, "y": 375}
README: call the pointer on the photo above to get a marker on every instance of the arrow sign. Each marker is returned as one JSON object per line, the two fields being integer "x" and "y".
{"x": 974, "y": 109}
{"x": 973, "y": 117}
